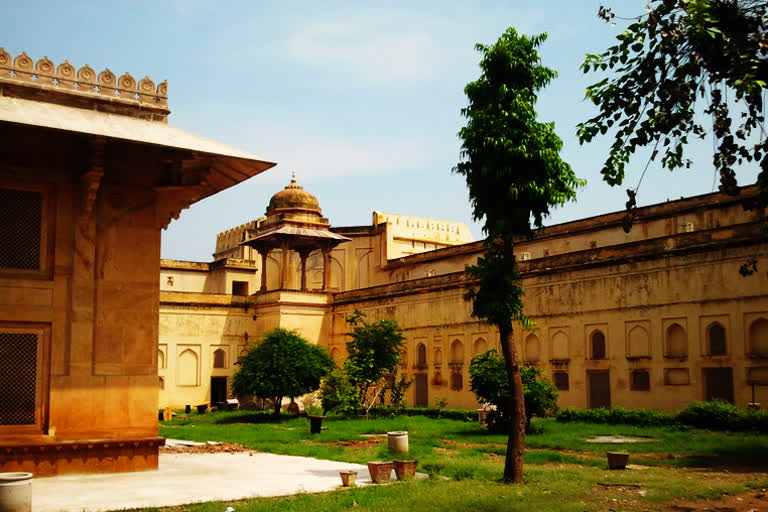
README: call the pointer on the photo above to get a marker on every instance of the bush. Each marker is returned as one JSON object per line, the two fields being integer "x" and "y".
{"x": 488, "y": 380}
{"x": 715, "y": 415}
{"x": 339, "y": 394}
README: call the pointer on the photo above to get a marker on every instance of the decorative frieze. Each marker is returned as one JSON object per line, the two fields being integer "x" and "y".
{"x": 85, "y": 80}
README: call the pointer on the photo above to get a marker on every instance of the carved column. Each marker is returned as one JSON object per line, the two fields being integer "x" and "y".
{"x": 284, "y": 271}
{"x": 303, "y": 255}
{"x": 264, "y": 253}
{"x": 326, "y": 268}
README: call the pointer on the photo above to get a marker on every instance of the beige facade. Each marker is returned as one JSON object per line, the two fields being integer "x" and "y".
{"x": 90, "y": 173}
{"x": 656, "y": 317}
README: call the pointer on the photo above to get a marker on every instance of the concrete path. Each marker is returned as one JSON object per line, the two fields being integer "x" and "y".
{"x": 185, "y": 478}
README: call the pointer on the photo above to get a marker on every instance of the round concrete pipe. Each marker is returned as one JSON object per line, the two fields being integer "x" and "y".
{"x": 15, "y": 492}
{"x": 397, "y": 441}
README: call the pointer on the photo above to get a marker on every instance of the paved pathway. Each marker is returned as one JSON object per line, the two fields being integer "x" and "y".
{"x": 190, "y": 478}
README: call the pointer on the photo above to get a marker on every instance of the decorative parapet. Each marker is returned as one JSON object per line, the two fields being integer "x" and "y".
{"x": 64, "y": 77}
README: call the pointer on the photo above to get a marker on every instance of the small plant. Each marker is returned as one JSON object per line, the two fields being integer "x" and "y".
{"x": 441, "y": 403}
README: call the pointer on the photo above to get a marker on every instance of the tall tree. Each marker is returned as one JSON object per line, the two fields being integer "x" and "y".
{"x": 668, "y": 62}
{"x": 514, "y": 175}
{"x": 283, "y": 364}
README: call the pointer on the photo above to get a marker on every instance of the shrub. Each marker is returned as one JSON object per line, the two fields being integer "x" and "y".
{"x": 429, "y": 412}
{"x": 488, "y": 380}
{"x": 715, "y": 415}
{"x": 339, "y": 394}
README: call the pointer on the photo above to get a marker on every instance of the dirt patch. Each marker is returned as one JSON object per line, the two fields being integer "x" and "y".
{"x": 750, "y": 502}
{"x": 618, "y": 439}
{"x": 205, "y": 448}
{"x": 361, "y": 443}
{"x": 445, "y": 451}
{"x": 450, "y": 442}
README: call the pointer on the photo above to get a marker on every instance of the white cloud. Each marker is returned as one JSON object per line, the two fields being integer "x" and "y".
{"x": 316, "y": 157}
{"x": 363, "y": 47}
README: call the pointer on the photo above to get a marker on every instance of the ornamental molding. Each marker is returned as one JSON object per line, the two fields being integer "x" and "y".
{"x": 64, "y": 77}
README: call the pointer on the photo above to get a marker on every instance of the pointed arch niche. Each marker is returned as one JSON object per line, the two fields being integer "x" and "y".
{"x": 532, "y": 348}
{"x": 480, "y": 346}
{"x": 560, "y": 345}
{"x": 758, "y": 337}
{"x": 675, "y": 338}
{"x": 638, "y": 340}
{"x": 188, "y": 365}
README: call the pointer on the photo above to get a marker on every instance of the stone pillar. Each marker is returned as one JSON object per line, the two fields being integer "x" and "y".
{"x": 326, "y": 268}
{"x": 284, "y": 270}
{"x": 303, "y": 255}
{"x": 264, "y": 253}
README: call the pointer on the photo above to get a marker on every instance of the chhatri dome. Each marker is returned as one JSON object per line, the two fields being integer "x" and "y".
{"x": 293, "y": 197}
{"x": 294, "y": 223}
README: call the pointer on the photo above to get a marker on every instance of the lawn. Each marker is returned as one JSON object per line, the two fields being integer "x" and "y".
{"x": 563, "y": 470}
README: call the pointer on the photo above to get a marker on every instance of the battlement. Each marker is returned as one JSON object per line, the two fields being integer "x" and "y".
{"x": 406, "y": 226}
{"x": 44, "y": 81}
{"x": 233, "y": 236}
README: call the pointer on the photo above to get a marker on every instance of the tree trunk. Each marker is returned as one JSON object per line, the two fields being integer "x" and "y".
{"x": 278, "y": 404}
{"x": 513, "y": 463}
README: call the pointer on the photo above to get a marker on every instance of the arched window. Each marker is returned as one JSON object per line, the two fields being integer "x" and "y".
{"x": 639, "y": 343}
{"x": 532, "y": 348}
{"x": 161, "y": 382}
{"x": 421, "y": 355}
{"x": 160, "y": 359}
{"x": 404, "y": 358}
{"x": 598, "y": 345}
{"x": 457, "y": 352}
{"x": 438, "y": 357}
{"x": 716, "y": 339}
{"x": 480, "y": 346}
{"x": 219, "y": 358}
{"x": 758, "y": 337}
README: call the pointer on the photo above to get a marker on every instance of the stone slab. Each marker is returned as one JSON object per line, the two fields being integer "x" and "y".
{"x": 186, "y": 478}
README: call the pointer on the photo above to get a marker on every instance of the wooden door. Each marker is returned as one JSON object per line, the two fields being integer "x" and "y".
{"x": 420, "y": 390}
{"x": 218, "y": 390}
{"x": 599, "y": 389}
{"x": 718, "y": 384}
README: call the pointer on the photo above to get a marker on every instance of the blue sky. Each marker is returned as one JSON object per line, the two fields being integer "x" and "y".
{"x": 361, "y": 102}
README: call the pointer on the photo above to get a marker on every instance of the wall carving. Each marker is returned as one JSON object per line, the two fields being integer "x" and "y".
{"x": 66, "y": 77}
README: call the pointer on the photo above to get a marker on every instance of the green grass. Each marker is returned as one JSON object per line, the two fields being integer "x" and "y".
{"x": 562, "y": 469}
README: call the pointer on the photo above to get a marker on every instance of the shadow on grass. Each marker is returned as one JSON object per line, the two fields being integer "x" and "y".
{"x": 253, "y": 417}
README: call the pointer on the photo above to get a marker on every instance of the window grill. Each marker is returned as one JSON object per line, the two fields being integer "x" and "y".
{"x": 20, "y": 229}
{"x": 18, "y": 378}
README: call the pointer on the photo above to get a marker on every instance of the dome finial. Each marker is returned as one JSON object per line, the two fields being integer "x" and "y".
{"x": 293, "y": 176}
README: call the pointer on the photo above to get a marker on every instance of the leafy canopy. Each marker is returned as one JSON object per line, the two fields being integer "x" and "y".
{"x": 374, "y": 349}
{"x": 510, "y": 160}
{"x": 681, "y": 53}
{"x": 283, "y": 364}
{"x": 512, "y": 166}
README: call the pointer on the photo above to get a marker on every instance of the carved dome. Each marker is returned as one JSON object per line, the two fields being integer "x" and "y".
{"x": 294, "y": 197}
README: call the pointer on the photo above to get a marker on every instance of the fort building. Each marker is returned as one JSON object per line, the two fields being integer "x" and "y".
{"x": 90, "y": 173}
{"x": 655, "y": 317}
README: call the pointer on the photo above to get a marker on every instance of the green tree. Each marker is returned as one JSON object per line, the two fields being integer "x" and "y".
{"x": 514, "y": 175}
{"x": 488, "y": 380}
{"x": 283, "y": 364}
{"x": 679, "y": 55}
{"x": 373, "y": 352}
